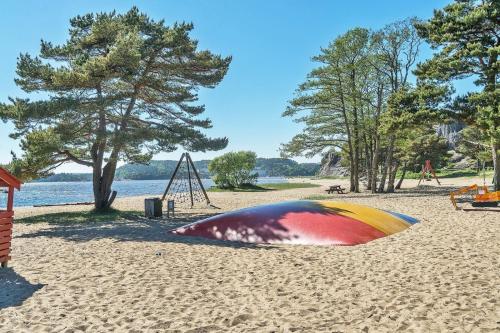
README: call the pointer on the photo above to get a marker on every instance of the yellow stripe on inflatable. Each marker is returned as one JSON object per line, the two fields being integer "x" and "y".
{"x": 380, "y": 220}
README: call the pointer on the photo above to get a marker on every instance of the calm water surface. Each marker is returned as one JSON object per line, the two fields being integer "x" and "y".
{"x": 70, "y": 192}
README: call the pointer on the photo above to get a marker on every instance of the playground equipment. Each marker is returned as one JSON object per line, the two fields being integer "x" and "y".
{"x": 6, "y": 216}
{"x": 427, "y": 171}
{"x": 480, "y": 195}
{"x": 185, "y": 185}
{"x": 301, "y": 222}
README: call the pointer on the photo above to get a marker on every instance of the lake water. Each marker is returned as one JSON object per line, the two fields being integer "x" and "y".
{"x": 70, "y": 192}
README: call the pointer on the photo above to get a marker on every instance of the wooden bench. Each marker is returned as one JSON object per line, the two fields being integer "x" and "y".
{"x": 336, "y": 188}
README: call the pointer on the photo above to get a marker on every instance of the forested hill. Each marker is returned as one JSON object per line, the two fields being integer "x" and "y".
{"x": 282, "y": 167}
{"x": 266, "y": 167}
{"x": 163, "y": 169}
{"x": 157, "y": 169}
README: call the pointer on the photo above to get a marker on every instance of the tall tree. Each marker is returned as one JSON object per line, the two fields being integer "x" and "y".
{"x": 396, "y": 47}
{"x": 333, "y": 102}
{"x": 466, "y": 35}
{"x": 410, "y": 117}
{"x": 121, "y": 88}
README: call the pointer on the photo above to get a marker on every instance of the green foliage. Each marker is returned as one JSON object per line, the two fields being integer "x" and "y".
{"x": 473, "y": 143}
{"x": 163, "y": 169}
{"x": 465, "y": 34}
{"x": 414, "y": 108}
{"x": 446, "y": 173}
{"x": 67, "y": 177}
{"x": 264, "y": 187}
{"x": 157, "y": 169}
{"x": 282, "y": 167}
{"x": 269, "y": 167}
{"x": 121, "y": 87}
{"x": 411, "y": 114}
{"x": 234, "y": 169}
{"x": 418, "y": 146}
{"x": 15, "y": 168}
{"x": 343, "y": 104}
{"x": 324, "y": 103}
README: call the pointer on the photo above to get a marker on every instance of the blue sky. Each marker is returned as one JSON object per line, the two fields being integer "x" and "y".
{"x": 271, "y": 43}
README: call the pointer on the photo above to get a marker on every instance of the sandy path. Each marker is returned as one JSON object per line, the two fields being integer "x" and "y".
{"x": 440, "y": 275}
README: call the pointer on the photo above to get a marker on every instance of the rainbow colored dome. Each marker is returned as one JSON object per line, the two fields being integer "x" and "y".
{"x": 304, "y": 222}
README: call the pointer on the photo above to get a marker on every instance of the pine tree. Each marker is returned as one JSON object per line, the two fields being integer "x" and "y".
{"x": 331, "y": 102}
{"x": 466, "y": 35}
{"x": 121, "y": 87}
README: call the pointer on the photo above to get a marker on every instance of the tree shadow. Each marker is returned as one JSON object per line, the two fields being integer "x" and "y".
{"x": 68, "y": 218}
{"x": 14, "y": 289}
{"x": 130, "y": 226}
{"x": 416, "y": 192}
{"x": 261, "y": 224}
{"x": 122, "y": 227}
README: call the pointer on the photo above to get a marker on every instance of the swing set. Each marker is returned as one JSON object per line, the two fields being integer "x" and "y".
{"x": 427, "y": 171}
{"x": 185, "y": 185}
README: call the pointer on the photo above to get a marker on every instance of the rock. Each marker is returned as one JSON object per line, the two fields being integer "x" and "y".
{"x": 455, "y": 156}
{"x": 450, "y": 132}
{"x": 466, "y": 163}
{"x": 331, "y": 166}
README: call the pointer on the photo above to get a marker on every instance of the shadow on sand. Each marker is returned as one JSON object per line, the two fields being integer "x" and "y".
{"x": 131, "y": 226}
{"x": 128, "y": 227}
{"x": 14, "y": 289}
{"x": 416, "y": 192}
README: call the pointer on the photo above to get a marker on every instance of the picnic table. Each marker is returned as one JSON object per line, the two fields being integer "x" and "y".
{"x": 335, "y": 188}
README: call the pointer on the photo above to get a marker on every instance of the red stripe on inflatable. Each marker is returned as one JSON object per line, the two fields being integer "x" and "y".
{"x": 330, "y": 228}
{"x": 276, "y": 226}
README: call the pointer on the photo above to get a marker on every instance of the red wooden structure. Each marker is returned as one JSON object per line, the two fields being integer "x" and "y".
{"x": 427, "y": 170}
{"x": 7, "y": 216}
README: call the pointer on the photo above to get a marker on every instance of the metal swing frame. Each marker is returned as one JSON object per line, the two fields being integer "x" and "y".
{"x": 190, "y": 168}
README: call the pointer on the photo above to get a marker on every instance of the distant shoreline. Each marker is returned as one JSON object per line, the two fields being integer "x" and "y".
{"x": 70, "y": 192}
{"x": 152, "y": 179}
{"x": 163, "y": 169}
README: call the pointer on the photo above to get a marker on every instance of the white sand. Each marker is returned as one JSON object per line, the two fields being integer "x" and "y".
{"x": 440, "y": 275}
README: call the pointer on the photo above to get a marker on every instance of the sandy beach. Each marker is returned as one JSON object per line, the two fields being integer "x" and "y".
{"x": 441, "y": 275}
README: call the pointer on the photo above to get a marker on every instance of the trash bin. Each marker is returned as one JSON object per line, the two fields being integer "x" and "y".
{"x": 153, "y": 207}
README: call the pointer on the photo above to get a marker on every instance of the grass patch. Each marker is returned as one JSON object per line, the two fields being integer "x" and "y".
{"x": 288, "y": 186}
{"x": 447, "y": 173}
{"x": 318, "y": 197}
{"x": 111, "y": 215}
{"x": 265, "y": 187}
{"x": 333, "y": 177}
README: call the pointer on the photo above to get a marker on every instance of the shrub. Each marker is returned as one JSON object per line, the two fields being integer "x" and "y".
{"x": 234, "y": 169}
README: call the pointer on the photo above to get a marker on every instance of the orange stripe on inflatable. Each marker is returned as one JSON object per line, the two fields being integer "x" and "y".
{"x": 380, "y": 220}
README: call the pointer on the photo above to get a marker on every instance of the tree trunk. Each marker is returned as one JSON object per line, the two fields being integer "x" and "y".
{"x": 375, "y": 165}
{"x": 400, "y": 182}
{"x": 102, "y": 181}
{"x": 387, "y": 164}
{"x": 356, "y": 136}
{"x": 355, "y": 169}
{"x": 103, "y": 196}
{"x": 368, "y": 165}
{"x": 376, "y": 150}
{"x": 352, "y": 187}
{"x": 392, "y": 177}
{"x": 495, "y": 151}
